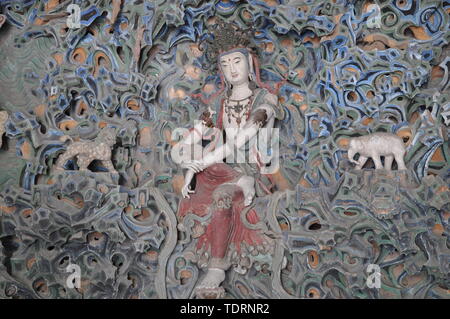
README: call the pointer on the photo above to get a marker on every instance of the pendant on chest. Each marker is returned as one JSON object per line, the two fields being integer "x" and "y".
{"x": 238, "y": 109}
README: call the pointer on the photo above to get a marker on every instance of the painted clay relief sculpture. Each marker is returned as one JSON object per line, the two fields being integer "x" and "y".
{"x": 3, "y": 119}
{"x": 375, "y": 145}
{"x": 342, "y": 69}
{"x": 226, "y": 190}
{"x": 87, "y": 151}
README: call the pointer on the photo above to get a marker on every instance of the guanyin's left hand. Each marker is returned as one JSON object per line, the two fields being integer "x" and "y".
{"x": 195, "y": 166}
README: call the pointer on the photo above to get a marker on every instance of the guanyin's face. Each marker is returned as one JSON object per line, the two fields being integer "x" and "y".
{"x": 235, "y": 67}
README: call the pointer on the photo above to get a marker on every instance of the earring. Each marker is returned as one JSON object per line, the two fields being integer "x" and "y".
{"x": 229, "y": 87}
{"x": 252, "y": 85}
{"x": 251, "y": 69}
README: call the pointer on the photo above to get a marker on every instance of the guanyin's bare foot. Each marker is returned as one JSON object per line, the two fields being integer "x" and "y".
{"x": 209, "y": 287}
{"x": 213, "y": 278}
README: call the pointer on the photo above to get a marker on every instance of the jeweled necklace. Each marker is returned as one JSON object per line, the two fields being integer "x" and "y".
{"x": 243, "y": 104}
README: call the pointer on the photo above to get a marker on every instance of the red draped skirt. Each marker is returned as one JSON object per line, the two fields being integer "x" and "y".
{"x": 215, "y": 237}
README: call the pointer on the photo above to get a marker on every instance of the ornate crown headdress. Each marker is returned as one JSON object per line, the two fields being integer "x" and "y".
{"x": 224, "y": 37}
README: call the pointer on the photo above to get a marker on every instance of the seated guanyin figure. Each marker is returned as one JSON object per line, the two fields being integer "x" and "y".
{"x": 242, "y": 109}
